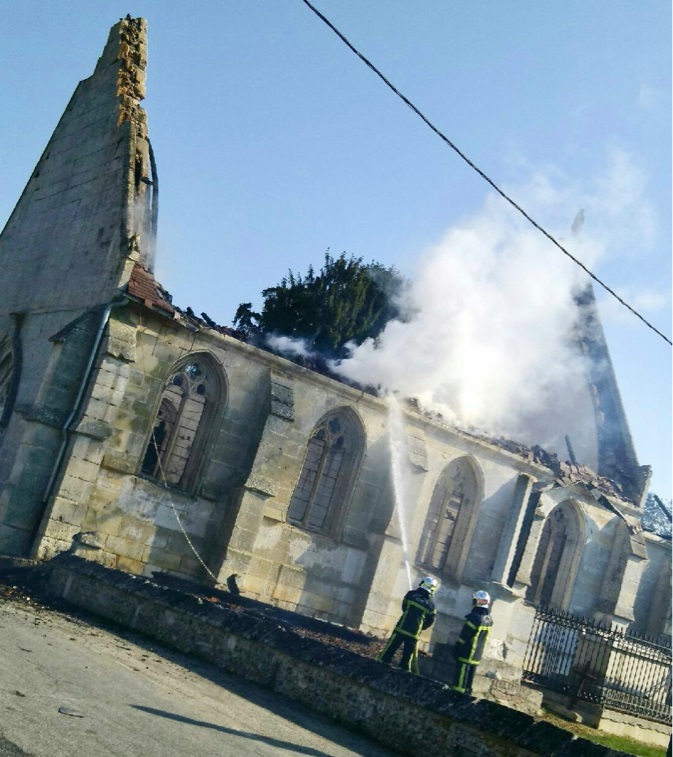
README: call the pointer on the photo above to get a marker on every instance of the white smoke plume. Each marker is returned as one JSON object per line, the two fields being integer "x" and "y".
{"x": 288, "y": 346}
{"x": 490, "y": 343}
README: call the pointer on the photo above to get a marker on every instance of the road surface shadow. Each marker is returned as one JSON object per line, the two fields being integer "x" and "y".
{"x": 295, "y": 712}
{"x": 294, "y": 748}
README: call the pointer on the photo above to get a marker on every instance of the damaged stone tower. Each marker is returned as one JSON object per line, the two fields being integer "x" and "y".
{"x": 86, "y": 216}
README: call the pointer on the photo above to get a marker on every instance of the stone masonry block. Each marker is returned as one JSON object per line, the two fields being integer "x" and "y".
{"x": 99, "y": 520}
{"x": 263, "y": 569}
{"x": 97, "y": 410}
{"x": 252, "y": 584}
{"x": 243, "y": 540}
{"x": 274, "y": 512}
{"x": 118, "y": 397}
{"x": 177, "y": 542}
{"x": 81, "y": 468}
{"x": 190, "y": 566}
{"x": 237, "y": 562}
{"x": 259, "y": 483}
{"x": 125, "y": 547}
{"x": 61, "y": 532}
{"x": 93, "y": 428}
{"x": 20, "y": 512}
{"x": 75, "y": 489}
{"x": 282, "y": 392}
{"x": 89, "y": 450}
{"x": 111, "y": 373}
{"x": 277, "y": 424}
{"x": 282, "y": 410}
{"x": 163, "y": 559}
{"x": 129, "y": 565}
{"x": 65, "y": 511}
{"x": 320, "y": 606}
{"x": 248, "y": 520}
{"x": 158, "y": 538}
{"x": 120, "y": 461}
{"x": 49, "y": 548}
{"x": 130, "y": 527}
{"x": 13, "y": 541}
{"x": 287, "y": 596}
{"x": 291, "y": 577}
{"x": 418, "y": 454}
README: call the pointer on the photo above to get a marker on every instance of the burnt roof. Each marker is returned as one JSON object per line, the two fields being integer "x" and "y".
{"x": 565, "y": 472}
{"x": 144, "y": 287}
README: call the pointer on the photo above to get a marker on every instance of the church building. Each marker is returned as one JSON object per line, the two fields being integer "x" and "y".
{"x": 138, "y": 435}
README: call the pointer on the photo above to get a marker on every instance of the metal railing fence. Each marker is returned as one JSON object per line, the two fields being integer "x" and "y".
{"x": 592, "y": 662}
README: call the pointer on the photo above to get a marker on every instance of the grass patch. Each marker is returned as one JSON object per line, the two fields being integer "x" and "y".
{"x": 620, "y": 743}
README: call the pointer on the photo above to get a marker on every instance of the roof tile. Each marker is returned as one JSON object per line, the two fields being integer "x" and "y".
{"x": 143, "y": 286}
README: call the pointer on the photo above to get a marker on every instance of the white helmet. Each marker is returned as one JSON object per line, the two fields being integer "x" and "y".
{"x": 430, "y": 584}
{"x": 481, "y": 598}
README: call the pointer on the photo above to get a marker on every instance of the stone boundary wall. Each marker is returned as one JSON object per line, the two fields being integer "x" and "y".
{"x": 407, "y": 713}
{"x": 609, "y": 721}
{"x": 622, "y": 724}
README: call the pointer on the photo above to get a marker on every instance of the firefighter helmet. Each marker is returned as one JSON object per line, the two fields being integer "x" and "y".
{"x": 430, "y": 584}
{"x": 481, "y": 598}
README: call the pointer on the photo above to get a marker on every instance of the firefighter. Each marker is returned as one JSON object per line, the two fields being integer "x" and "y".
{"x": 470, "y": 645}
{"x": 418, "y": 613}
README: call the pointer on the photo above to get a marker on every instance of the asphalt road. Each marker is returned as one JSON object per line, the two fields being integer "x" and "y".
{"x": 70, "y": 689}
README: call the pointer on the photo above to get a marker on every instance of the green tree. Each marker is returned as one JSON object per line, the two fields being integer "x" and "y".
{"x": 346, "y": 301}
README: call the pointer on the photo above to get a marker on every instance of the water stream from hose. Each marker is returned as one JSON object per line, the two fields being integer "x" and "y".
{"x": 397, "y": 440}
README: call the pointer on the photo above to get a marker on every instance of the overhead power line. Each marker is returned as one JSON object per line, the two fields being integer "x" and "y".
{"x": 486, "y": 178}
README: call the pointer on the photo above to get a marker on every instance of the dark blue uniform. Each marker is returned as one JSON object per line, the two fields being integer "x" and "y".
{"x": 418, "y": 613}
{"x": 470, "y": 647}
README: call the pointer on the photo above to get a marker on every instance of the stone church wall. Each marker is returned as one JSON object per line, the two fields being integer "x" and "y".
{"x": 53, "y": 351}
{"x": 235, "y": 518}
{"x": 652, "y": 601}
{"x": 602, "y": 529}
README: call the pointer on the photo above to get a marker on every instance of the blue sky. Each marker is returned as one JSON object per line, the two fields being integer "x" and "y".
{"x": 275, "y": 143}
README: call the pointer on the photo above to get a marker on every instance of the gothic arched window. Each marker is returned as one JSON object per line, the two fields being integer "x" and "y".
{"x": 181, "y": 426}
{"x": 452, "y": 511}
{"x": 6, "y": 375}
{"x": 556, "y": 559}
{"x": 332, "y": 457}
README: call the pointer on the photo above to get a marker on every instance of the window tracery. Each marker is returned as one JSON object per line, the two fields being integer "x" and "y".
{"x": 187, "y": 403}
{"x": 556, "y": 559}
{"x": 332, "y": 454}
{"x": 451, "y": 511}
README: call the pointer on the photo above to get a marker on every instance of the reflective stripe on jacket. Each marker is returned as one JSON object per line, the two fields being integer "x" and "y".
{"x": 418, "y": 613}
{"x": 472, "y": 640}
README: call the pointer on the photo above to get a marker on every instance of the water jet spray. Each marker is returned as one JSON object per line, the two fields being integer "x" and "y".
{"x": 397, "y": 440}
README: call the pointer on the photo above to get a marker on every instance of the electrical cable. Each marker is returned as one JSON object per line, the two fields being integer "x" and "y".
{"x": 177, "y": 517}
{"x": 445, "y": 139}
{"x": 167, "y": 487}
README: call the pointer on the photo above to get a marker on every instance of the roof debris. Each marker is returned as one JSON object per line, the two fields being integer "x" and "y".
{"x": 145, "y": 288}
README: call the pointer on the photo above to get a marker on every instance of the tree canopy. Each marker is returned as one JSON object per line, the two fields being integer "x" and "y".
{"x": 346, "y": 301}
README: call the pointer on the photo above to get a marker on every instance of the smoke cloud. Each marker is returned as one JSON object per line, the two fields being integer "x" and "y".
{"x": 288, "y": 346}
{"x": 490, "y": 341}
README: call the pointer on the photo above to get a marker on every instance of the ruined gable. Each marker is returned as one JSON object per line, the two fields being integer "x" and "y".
{"x": 86, "y": 208}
